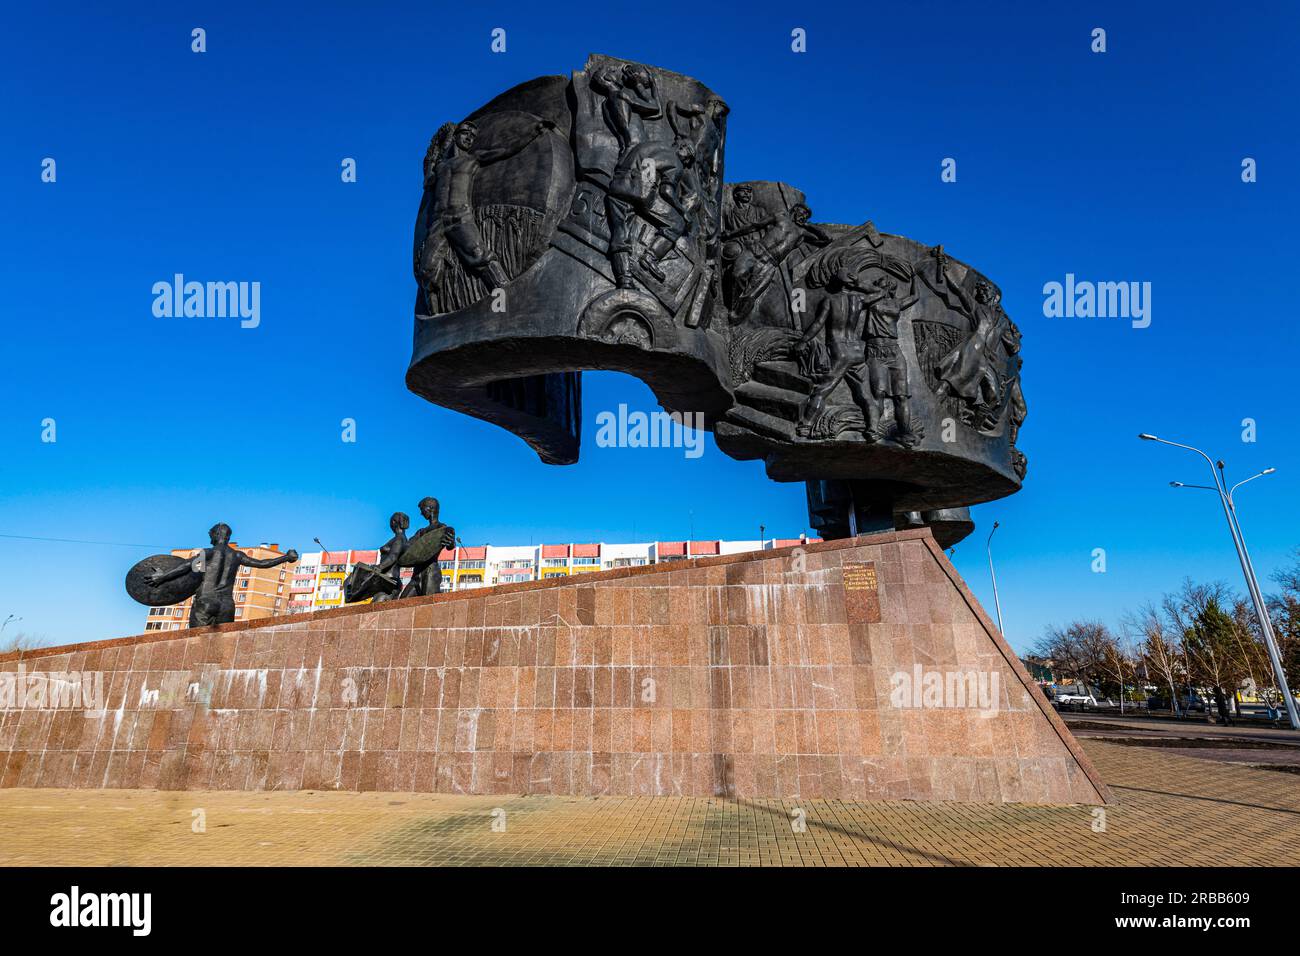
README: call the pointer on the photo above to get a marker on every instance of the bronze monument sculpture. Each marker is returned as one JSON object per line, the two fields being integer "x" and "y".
{"x": 881, "y": 372}
{"x": 208, "y": 577}
{"x": 382, "y": 581}
{"x": 422, "y": 554}
{"x": 583, "y": 221}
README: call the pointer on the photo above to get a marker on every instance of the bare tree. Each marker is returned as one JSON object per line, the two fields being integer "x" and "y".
{"x": 19, "y": 641}
{"x": 1251, "y": 652}
{"x": 1202, "y": 636}
{"x": 1180, "y": 610}
{"x": 1158, "y": 647}
{"x": 1085, "y": 650}
{"x": 1210, "y": 638}
{"x": 1114, "y": 659}
{"x": 1284, "y": 609}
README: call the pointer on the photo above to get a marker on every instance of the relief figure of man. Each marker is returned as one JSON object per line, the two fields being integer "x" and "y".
{"x": 967, "y": 372}
{"x": 646, "y": 186}
{"x": 630, "y": 100}
{"x": 887, "y": 378}
{"x": 757, "y": 266}
{"x": 450, "y": 171}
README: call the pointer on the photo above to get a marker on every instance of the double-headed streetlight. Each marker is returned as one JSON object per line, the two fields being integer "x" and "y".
{"x": 1247, "y": 569}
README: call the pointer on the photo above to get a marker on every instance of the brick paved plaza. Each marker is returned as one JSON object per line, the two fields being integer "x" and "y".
{"x": 1170, "y": 810}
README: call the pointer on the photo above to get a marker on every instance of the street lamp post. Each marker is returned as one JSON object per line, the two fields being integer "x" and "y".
{"x": 997, "y": 604}
{"x": 1247, "y": 569}
{"x": 1274, "y": 652}
{"x": 11, "y": 617}
{"x": 1252, "y": 582}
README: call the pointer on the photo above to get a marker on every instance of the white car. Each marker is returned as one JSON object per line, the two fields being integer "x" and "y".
{"x": 1074, "y": 698}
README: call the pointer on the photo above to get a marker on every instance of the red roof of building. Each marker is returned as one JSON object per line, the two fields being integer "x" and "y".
{"x": 555, "y": 550}
{"x": 367, "y": 557}
{"x": 704, "y": 547}
{"x": 670, "y": 547}
{"x": 477, "y": 553}
{"x": 334, "y": 557}
{"x": 586, "y": 550}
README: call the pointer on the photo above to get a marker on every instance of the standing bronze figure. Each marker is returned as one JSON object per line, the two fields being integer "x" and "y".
{"x": 382, "y": 581}
{"x": 209, "y": 576}
{"x": 424, "y": 551}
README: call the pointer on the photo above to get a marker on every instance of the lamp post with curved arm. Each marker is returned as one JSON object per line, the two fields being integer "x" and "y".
{"x": 1247, "y": 569}
{"x": 997, "y": 604}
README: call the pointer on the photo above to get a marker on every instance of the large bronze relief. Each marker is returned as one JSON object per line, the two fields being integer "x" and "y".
{"x": 583, "y": 222}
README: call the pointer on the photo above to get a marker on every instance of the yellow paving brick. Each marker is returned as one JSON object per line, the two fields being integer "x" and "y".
{"x": 1170, "y": 810}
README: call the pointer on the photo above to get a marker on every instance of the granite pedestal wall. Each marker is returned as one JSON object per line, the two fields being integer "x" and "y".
{"x": 821, "y": 672}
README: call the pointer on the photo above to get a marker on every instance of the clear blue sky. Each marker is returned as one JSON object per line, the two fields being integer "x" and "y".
{"x": 225, "y": 166}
